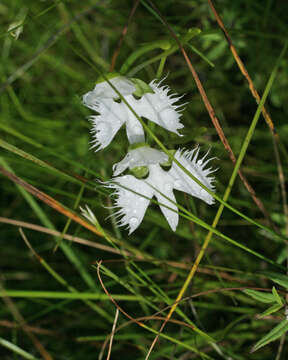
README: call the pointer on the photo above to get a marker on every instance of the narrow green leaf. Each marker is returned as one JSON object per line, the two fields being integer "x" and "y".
{"x": 167, "y": 45}
{"x": 273, "y": 335}
{"x": 272, "y": 309}
{"x": 68, "y": 295}
{"x": 280, "y": 279}
{"x": 70, "y": 253}
{"x": 9, "y": 147}
{"x": 277, "y": 297}
{"x": 16, "y": 349}
{"x": 260, "y": 296}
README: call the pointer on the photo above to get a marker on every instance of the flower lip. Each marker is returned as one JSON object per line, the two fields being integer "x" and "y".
{"x": 142, "y": 156}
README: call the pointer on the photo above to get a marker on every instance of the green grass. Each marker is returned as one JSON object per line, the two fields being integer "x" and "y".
{"x": 51, "y": 291}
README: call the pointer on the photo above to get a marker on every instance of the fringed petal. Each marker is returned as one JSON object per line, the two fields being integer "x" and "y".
{"x": 160, "y": 107}
{"x": 134, "y": 129}
{"x": 128, "y": 200}
{"x": 171, "y": 216}
{"x": 105, "y": 125}
{"x": 163, "y": 183}
{"x": 182, "y": 182}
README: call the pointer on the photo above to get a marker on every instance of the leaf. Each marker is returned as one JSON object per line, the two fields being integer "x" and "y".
{"x": 260, "y": 296}
{"x": 273, "y": 335}
{"x": 277, "y": 297}
{"x": 270, "y": 310}
{"x": 141, "y": 87}
{"x": 280, "y": 279}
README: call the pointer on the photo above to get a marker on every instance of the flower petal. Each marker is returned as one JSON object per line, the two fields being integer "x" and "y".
{"x": 182, "y": 182}
{"x": 134, "y": 129}
{"x": 105, "y": 125}
{"x": 171, "y": 216}
{"x": 142, "y": 156}
{"x": 103, "y": 90}
{"x": 132, "y": 206}
{"x": 160, "y": 107}
{"x": 163, "y": 182}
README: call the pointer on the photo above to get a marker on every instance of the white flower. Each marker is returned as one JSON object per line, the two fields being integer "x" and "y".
{"x": 156, "y": 106}
{"x": 133, "y": 195}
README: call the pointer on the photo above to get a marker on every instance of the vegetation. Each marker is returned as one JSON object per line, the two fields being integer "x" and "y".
{"x": 76, "y": 286}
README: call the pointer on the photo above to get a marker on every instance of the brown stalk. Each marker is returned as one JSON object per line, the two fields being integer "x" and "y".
{"x": 134, "y": 320}
{"x": 112, "y": 299}
{"x": 75, "y": 239}
{"x": 82, "y": 241}
{"x": 143, "y": 318}
{"x": 123, "y": 34}
{"x": 242, "y": 67}
{"x": 34, "y": 329}
{"x": 275, "y": 137}
{"x": 214, "y": 118}
{"x": 164, "y": 319}
{"x": 267, "y": 117}
{"x": 226, "y": 144}
{"x": 49, "y": 201}
{"x": 112, "y": 334}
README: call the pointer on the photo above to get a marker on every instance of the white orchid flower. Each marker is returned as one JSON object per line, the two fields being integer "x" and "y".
{"x": 133, "y": 195}
{"x": 155, "y": 104}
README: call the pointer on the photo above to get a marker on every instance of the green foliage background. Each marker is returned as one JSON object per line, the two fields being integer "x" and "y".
{"x": 44, "y": 73}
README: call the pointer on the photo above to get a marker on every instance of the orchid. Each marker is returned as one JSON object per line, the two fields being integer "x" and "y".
{"x": 134, "y": 195}
{"x": 148, "y": 177}
{"x": 153, "y": 102}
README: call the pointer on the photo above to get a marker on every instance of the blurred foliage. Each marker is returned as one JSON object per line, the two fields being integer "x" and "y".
{"x": 50, "y": 51}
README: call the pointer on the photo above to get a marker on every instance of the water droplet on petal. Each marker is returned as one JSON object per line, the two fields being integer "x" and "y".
{"x": 168, "y": 186}
{"x": 104, "y": 128}
{"x": 157, "y": 107}
{"x": 200, "y": 162}
{"x": 133, "y": 222}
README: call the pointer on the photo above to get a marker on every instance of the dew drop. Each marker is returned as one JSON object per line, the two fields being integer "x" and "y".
{"x": 200, "y": 162}
{"x": 168, "y": 186}
{"x": 103, "y": 128}
{"x": 157, "y": 108}
{"x": 133, "y": 222}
